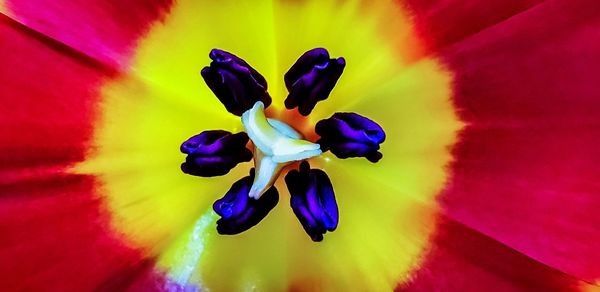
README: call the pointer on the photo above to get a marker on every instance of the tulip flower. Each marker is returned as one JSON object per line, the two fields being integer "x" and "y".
{"x": 396, "y": 145}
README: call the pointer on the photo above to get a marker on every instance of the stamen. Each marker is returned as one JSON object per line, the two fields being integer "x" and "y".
{"x": 276, "y": 145}
{"x": 243, "y": 92}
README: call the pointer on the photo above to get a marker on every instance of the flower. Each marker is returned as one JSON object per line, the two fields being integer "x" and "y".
{"x": 490, "y": 110}
{"x": 276, "y": 144}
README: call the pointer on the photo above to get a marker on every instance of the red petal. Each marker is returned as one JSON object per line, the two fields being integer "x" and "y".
{"x": 54, "y": 234}
{"x": 442, "y": 22}
{"x": 46, "y": 113}
{"x": 105, "y": 30}
{"x": 528, "y": 164}
{"x": 462, "y": 259}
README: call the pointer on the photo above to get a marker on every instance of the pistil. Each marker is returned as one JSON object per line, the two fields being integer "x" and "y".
{"x": 276, "y": 145}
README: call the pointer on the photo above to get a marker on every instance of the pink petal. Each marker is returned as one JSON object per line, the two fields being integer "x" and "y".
{"x": 54, "y": 230}
{"x": 48, "y": 95}
{"x": 443, "y": 22}
{"x": 462, "y": 259}
{"x": 105, "y": 30}
{"x": 528, "y": 165}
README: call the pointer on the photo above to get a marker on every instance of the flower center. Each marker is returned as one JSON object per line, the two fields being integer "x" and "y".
{"x": 276, "y": 145}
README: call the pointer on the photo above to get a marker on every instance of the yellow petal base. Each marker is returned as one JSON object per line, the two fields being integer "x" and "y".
{"x": 387, "y": 209}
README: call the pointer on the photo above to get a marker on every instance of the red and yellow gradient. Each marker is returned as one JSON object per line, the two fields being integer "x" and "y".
{"x": 387, "y": 209}
{"x": 97, "y": 95}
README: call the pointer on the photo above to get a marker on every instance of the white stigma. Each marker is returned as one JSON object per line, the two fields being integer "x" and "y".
{"x": 276, "y": 145}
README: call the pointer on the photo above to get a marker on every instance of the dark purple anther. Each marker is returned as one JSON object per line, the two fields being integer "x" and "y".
{"x": 313, "y": 200}
{"x": 213, "y": 153}
{"x": 237, "y": 85}
{"x": 351, "y": 135}
{"x": 311, "y": 79}
{"x": 238, "y": 211}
